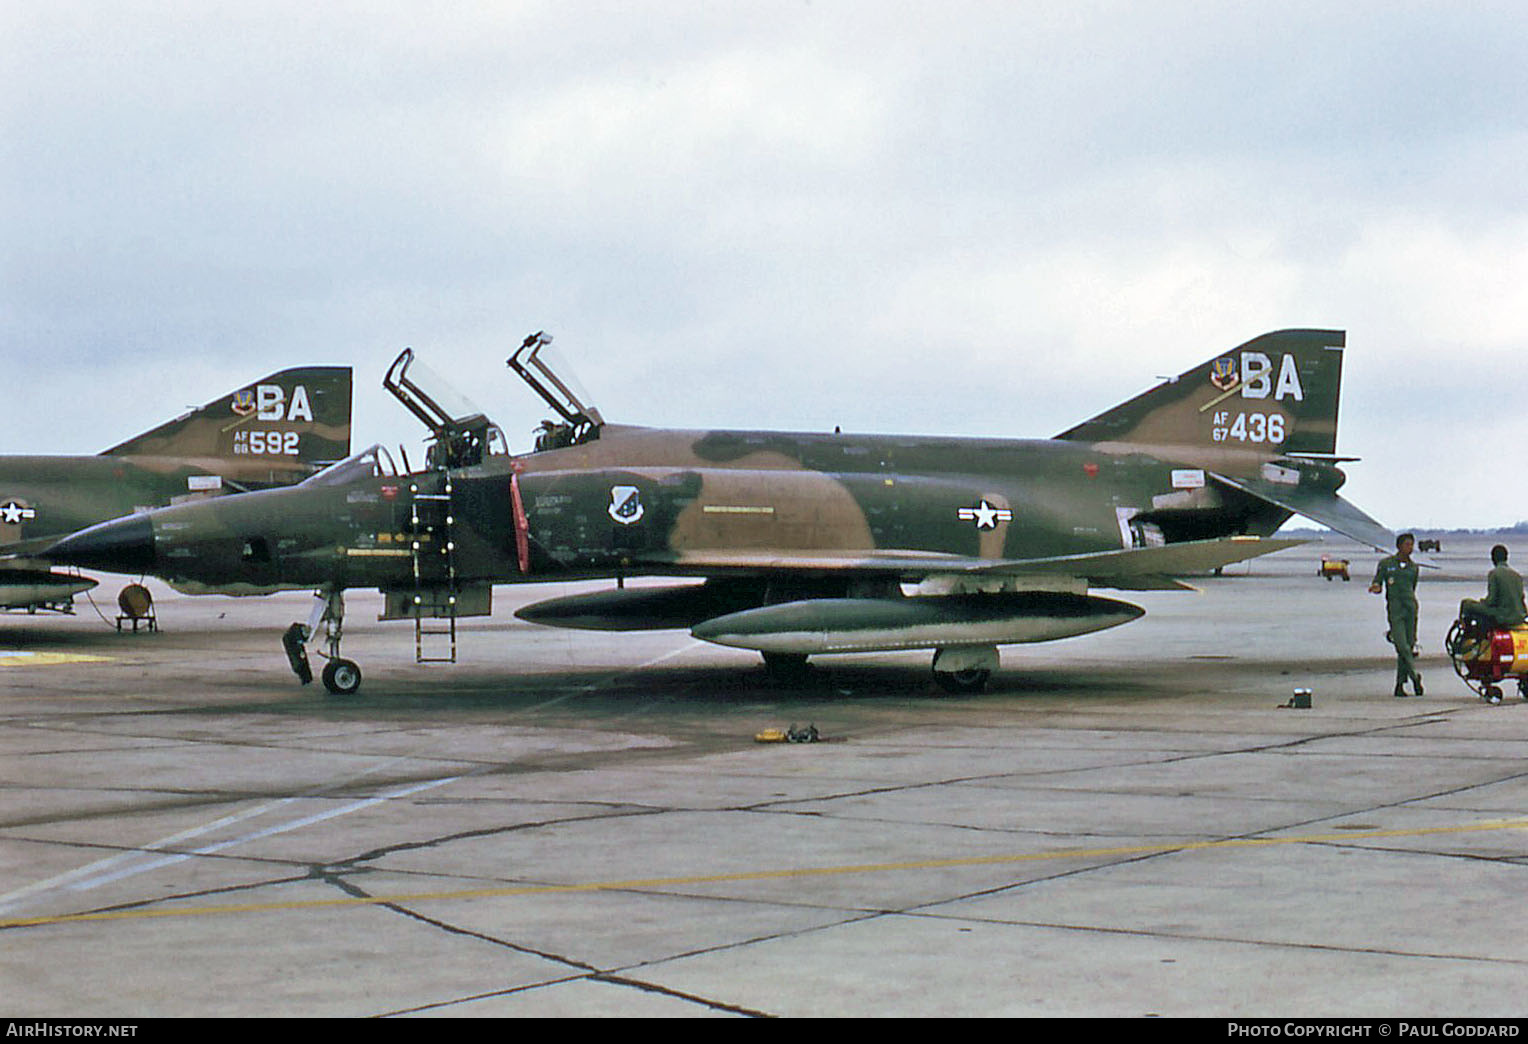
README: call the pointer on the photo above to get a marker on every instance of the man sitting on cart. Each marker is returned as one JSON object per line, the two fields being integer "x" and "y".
{"x": 1503, "y": 604}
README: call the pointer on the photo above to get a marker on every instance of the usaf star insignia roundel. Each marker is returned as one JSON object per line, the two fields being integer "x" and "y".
{"x": 626, "y": 504}
{"x": 985, "y": 515}
{"x": 13, "y": 513}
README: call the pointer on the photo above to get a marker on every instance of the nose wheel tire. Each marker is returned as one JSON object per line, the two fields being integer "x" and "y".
{"x": 342, "y": 677}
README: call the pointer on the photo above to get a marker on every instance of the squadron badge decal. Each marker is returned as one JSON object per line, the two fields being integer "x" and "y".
{"x": 243, "y": 403}
{"x": 626, "y": 505}
{"x": 1223, "y": 373}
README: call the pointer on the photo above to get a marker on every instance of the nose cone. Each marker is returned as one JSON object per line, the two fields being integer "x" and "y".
{"x": 123, "y": 545}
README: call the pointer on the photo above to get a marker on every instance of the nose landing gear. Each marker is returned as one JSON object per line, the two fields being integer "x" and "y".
{"x": 340, "y": 676}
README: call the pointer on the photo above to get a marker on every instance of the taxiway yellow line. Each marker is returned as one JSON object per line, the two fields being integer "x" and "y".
{"x": 9, "y": 658}
{"x": 751, "y": 875}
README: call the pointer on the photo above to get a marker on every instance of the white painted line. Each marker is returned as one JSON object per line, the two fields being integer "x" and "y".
{"x": 94, "y": 874}
{"x": 271, "y": 831}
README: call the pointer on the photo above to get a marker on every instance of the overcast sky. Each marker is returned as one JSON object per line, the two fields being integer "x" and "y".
{"x": 962, "y": 218}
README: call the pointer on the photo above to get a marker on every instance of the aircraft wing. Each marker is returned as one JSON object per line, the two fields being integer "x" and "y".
{"x": 726, "y": 609}
{"x": 1328, "y": 509}
{"x": 1144, "y": 568}
{"x": 1139, "y": 568}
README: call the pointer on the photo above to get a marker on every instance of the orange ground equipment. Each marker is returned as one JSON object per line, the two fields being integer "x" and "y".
{"x": 1331, "y": 568}
{"x": 1486, "y": 656}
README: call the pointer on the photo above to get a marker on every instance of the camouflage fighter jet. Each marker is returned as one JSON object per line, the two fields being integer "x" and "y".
{"x": 274, "y": 432}
{"x": 802, "y": 543}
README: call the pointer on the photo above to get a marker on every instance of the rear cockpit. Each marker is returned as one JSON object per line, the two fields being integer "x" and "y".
{"x": 579, "y": 423}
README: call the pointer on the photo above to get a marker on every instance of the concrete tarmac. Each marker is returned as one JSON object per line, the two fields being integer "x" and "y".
{"x": 564, "y": 823}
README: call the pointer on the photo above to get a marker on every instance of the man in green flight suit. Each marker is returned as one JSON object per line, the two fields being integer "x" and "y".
{"x": 1397, "y": 577}
{"x": 1503, "y": 605}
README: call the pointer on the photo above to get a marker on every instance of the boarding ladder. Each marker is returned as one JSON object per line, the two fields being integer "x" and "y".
{"x": 432, "y": 524}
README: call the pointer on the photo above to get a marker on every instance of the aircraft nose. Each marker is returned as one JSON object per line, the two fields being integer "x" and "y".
{"x": 123, "y": 545}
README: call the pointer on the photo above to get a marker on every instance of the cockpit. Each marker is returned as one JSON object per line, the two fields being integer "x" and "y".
{"x": 460, "y": 435}
{"x": 579, "y": 423}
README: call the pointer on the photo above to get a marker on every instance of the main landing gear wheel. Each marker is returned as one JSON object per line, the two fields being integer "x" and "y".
{"x": 342, "y": 677}
{"x": 786, "y": 667}
{"x": 963, "y": 682}
{"x": 965, "y": 670}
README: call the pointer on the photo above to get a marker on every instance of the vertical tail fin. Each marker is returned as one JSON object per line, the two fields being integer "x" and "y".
{"x": 1270, "y": 406}
{"x": 1277, "y": 393}
{"x": 300, "y": 415}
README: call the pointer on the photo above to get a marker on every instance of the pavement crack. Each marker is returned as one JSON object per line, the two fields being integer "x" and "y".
{"x": 649, "y": 987}
{"x": 178, "y": 897}
{"x": 356, "y": 892}
{"x": 466, "y": 835}
{"x": 591, "y": 972}
{"x": 1151, "y": 933}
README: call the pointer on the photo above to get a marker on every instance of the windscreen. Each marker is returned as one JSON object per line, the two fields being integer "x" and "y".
{"x": 372, "y": 462}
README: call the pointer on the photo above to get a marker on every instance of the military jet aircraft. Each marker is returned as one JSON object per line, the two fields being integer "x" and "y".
{"x": 274, "y": 432}
{"x": 802, "y": 543}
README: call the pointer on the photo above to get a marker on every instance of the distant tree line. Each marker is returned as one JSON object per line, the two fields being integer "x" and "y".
{"x": 1520, "y": 528}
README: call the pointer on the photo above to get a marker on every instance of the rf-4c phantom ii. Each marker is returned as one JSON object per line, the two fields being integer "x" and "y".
{"x": 802, "y": 543}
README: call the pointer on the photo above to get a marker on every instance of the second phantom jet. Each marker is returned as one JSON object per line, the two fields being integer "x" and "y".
{"x": 274, "y": 432}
